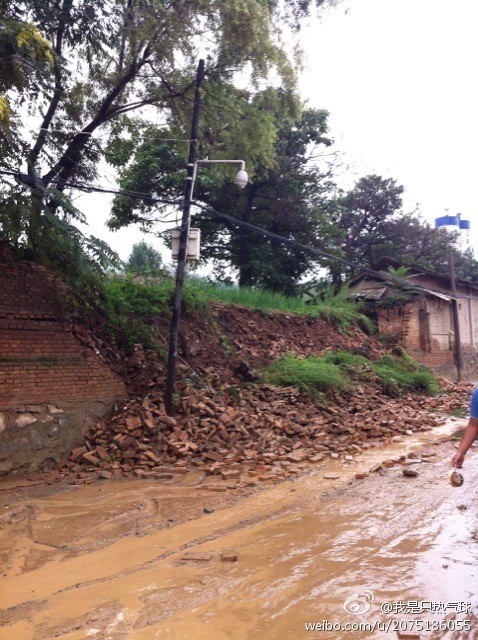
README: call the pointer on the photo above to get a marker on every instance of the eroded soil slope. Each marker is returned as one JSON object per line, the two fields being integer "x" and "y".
{"x": 226, "y": 420}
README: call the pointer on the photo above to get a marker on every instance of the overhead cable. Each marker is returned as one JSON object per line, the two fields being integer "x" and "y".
{"x": 30, "y": 181}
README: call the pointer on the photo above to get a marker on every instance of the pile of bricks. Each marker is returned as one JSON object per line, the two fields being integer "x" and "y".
{"x": 261, "y": 429}
{"x": 229, "y": 429}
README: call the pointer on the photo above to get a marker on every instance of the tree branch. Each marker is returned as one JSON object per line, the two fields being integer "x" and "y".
{"x": 57, "y": 93}
{"x": 66, "y": 165}
{"x": 128, "y": 18}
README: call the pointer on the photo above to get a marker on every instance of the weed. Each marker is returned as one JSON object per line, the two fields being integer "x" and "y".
{"x": 338, "y": 370}
{"x": 335, "y": 309}
{"x": 340, "y": 312}
{"x": 131, "y": 305}
{"x": 402, "y": 374}
{"x": 310, "y": 374}
{"x": 234, "y": 395}
{"x": 353, "y": 364}
{"x": 226, "y": 345}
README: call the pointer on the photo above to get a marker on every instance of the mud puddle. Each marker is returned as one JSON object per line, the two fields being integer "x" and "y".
{"x": 137, "y": 560}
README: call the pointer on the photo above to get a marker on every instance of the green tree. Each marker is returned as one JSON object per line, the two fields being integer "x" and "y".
{"x": 144, "y": 258}
{"x": 113, "y": 57}
{"x": 369, "y": 224}
{"x": 74, "y": 69}
{"x": 287, "y": 197}
{"x": 286, "y": 193}
{"x": 413, "y": 241}
{"x": 25, "y": 56}
{"x": 466, "y": 265}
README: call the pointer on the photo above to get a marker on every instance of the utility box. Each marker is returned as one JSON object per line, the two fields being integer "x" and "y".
{"x": 192, "y": 250}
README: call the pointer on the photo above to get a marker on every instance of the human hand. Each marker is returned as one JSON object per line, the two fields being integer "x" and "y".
{"x": 457, "y": 460}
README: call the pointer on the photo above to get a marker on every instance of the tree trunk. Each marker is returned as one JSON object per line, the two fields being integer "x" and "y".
{"x": 245, "y": 267}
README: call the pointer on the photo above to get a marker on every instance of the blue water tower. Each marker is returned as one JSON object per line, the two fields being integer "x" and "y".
{"x": 456, "y": 223}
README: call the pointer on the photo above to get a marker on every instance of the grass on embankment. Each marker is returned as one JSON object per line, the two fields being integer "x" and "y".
{"x": 341, "y": 370}
{"x": 336, "y": 309}
{"x": 130, "y": 304}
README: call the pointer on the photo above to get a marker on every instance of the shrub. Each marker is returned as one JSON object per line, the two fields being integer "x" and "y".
{"x": 310, "y": 374}
{"x": 402, "y": 374}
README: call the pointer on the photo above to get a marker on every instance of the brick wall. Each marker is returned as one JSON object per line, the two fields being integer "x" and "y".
{"x": 424, "y": 329}
{"x": 425, "y": 326}
{"x": 51, "y": 386}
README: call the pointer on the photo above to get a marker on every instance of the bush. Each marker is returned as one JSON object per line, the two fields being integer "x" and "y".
{"x": 130, "y": 306}
{"x": 402, "y": 374}
{"x": 310, "y": 374}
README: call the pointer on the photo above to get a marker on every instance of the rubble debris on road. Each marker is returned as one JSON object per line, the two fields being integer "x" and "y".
{"x": 262, "y": 428}
{"x": 227, "y": 428}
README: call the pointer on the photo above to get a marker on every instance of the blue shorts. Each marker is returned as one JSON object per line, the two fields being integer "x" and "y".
{"x": 474, "y": 404}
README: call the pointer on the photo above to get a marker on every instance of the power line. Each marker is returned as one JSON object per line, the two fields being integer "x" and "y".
{"x": 30, "y": 181}
{"x": 91, "y": 133}
{"x": 274, "y": 236}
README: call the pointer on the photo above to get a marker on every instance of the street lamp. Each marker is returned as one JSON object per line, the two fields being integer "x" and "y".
{"x": 241, "y": 180}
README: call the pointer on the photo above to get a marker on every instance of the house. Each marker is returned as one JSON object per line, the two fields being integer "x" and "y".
{"x": 415, "y": 311}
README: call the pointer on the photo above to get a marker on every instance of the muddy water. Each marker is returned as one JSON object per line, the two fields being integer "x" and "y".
{"x": 109, "y": 562}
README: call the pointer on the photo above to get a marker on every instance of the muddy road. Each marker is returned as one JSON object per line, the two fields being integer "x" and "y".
{"x": 140, "y": 560}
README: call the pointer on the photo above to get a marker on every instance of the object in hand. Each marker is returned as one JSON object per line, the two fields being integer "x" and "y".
{"x": 455, "y": 478}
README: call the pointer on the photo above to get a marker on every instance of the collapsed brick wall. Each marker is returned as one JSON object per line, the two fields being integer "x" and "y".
{"x": 51, "y": 386}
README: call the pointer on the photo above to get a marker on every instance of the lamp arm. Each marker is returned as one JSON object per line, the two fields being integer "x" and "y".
{"x": 240, "y": 162}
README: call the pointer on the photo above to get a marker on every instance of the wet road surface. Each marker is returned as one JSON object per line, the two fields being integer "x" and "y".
{"x": 110, "y": 561}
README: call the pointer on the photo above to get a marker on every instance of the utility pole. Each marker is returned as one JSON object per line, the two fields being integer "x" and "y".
{"x": 456, "y": 324}
{"x": 183, "y": 242}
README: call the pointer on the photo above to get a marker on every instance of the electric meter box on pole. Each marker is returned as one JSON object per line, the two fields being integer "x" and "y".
{"x": 192, "y": 251}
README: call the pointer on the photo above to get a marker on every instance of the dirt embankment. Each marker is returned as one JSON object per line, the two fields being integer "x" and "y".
{"x": 223, "y": 423}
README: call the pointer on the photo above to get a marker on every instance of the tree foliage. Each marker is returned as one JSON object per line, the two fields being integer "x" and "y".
{"x": 369, "y": 224}
{"x": 25, "y": 56}
{"x": 144, "y": 258}
{"x": 285, "y": 195}
{"x": 71, "y": 70}
{"x": 466, "y": 265}
{"x": 111, "y": 58}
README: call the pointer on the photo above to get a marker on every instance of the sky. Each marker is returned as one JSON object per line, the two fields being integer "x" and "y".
{"x": 398, "y": 78}
{"x": 399, "y": 81}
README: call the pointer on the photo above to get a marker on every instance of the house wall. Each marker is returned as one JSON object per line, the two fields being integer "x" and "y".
{"x": 432, "y": 342}
{"x": 468, "y": 310}
{"x": 51, "y": 386}
{"x": 425, "y": 329}
{"x": 468, "y": 321}
{"x": 468, "y": 318}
